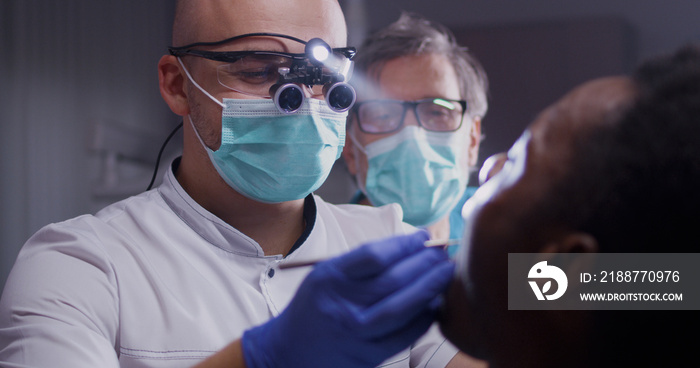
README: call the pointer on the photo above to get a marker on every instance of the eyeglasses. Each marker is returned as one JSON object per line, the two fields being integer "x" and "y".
{"x": 255, "y": 72}
{"x": 386, "y": 116}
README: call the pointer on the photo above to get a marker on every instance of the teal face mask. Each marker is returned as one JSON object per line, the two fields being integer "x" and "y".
{"x": 274, "y": 157}
{"x": 418, "y": 169}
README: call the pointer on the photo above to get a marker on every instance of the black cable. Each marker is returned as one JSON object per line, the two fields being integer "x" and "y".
{"x": 160, "y": 153}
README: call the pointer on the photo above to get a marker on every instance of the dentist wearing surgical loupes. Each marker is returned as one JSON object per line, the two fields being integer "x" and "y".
{"x": 415, "y": 131}
{"x": 191, "y": 272}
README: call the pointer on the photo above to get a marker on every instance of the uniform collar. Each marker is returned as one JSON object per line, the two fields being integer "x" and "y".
{"x": 214, "y": 230}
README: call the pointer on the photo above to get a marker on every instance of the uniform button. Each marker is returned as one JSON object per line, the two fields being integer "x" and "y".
{"x": 271, "y": 273}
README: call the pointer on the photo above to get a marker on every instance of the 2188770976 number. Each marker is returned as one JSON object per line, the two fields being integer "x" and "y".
{"x": 639, "y": 276}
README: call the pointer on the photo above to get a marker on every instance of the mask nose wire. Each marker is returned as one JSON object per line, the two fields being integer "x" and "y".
{"x": 197, "y": 85}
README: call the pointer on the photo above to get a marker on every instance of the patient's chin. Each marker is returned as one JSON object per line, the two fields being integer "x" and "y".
{"x": 455, "y": 319}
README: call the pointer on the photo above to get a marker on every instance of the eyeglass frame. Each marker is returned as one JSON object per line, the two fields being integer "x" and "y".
{"x": 406, "y": 104}
{"x": 233, "y": 56}
{"x": 300, "y": 72}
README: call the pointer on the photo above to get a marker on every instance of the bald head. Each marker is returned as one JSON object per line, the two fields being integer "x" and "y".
{"x": 215, "y": 20}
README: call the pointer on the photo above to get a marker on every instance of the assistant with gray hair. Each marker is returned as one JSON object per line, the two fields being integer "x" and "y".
{"x": 412, "y": 34}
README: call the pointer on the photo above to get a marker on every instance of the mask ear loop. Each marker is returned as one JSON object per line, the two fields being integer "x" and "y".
{"x": 356, "y": 145}
{"x": 203, "y": 91}
{"x": 356, "y": 142}
{"x": 196, "y": 133}
{"x": 162, "y": 148}
{"x": 197, "y": 85}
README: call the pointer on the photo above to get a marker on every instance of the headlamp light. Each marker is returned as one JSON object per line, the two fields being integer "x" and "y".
{"x": 317, "y": 51}
{"x": 321, "y": 67}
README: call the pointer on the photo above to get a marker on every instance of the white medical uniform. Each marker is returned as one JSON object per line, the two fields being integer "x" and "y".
{"x": 158, "y": 281}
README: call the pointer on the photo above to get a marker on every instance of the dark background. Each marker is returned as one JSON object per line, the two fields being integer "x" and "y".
{"x": 81, "y": 117}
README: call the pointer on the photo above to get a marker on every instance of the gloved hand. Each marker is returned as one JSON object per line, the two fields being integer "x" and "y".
{"x": 355, "y": 310}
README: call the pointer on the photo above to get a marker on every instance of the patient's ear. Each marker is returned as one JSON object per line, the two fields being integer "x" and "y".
{"x": 577, "y": 242}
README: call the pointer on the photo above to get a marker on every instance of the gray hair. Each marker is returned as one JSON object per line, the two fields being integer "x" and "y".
{"x": 411, "y": 35}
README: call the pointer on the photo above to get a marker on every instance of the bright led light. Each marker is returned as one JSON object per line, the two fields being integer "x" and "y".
{"x": 320, "y": 53}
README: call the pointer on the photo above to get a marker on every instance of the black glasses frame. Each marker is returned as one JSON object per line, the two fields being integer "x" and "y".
{"x": 233, "y": 56}
{"x": 413, "y": 105}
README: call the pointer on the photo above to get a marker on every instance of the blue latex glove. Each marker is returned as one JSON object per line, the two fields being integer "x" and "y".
{"x": 355, "y": 310}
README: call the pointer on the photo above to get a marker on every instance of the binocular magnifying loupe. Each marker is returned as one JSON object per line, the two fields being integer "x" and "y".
{"x": 289, "y": 97}
{"x": 340, "y": 97}
{"x": 322, "y": 68}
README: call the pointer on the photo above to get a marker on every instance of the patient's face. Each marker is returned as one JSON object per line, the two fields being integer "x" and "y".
{"x": 502, "y": 218}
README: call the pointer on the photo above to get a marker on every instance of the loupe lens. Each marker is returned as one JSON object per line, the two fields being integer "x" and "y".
{"x": 340, "y": 97}
{"x": 287, "y": 97}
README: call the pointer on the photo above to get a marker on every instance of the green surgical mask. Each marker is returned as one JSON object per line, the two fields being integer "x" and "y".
{"x": 418, "y": 169}
{"x": 273, "y": 157}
